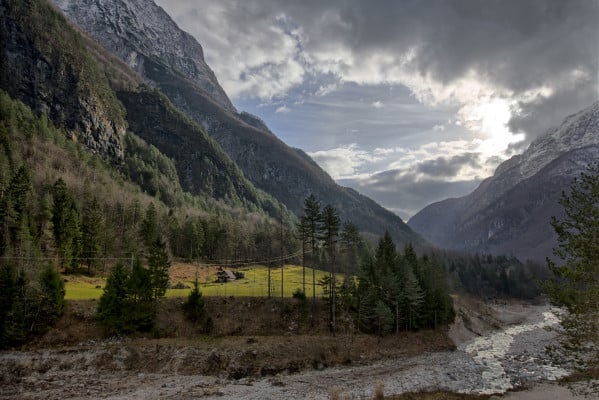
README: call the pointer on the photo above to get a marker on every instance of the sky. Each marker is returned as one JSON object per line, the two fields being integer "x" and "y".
{"x": 406, "y": 101}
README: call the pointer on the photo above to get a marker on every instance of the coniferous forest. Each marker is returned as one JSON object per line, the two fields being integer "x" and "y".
{"x": 68, "y": 209}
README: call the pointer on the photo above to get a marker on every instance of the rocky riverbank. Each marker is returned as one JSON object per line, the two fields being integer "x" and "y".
{"x": 496, "y": 361}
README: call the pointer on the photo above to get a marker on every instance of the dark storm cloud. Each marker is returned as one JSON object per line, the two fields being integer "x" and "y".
{"x": 516, "y": 45}
{"x": 443, "y": 167}
{"x": 406, "y": 191}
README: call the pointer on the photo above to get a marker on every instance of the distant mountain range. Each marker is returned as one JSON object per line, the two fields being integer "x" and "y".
{"x": 144, "y": 37}
{"x": 509, "y": 212}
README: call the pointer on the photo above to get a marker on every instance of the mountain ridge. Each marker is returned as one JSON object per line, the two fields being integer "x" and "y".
{"x": 271, "y": 165}
{"x": 59, "y": 72}
{"x": 510, "y": 211}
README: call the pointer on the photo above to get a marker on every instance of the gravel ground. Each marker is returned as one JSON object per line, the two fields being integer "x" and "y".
{"x": 492, "y": 363}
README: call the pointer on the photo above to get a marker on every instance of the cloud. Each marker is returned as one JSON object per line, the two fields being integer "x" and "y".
{"x": 326, "y": 89}
{"x": 282, "y": 110}
{"x": 343, "y": 162}
{"x": 405, "y": 196}
{"x": 487, "y": 78}
{"x": 537, "y": 55}
{"x": 442, "y": 167}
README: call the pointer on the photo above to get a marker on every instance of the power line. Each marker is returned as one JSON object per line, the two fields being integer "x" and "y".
{"x": 217, "y": 263}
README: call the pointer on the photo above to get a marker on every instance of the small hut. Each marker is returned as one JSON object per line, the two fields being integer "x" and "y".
{"x": 225, "y": 275}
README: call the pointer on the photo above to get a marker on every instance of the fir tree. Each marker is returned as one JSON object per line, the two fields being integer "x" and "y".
{"x": 576, "y": 284}
{"x": 91, "y": 230}
{"x": 149, "y": 226}
{"x": 111, "y": 310}
{"x": 331, "y": 224}
{"x": 194, "y": 309}
{"x": 159, "y": 264}
{"x": 311, "y": 226}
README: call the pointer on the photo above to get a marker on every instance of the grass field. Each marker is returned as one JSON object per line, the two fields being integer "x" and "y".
{"x": 255, "y": 283}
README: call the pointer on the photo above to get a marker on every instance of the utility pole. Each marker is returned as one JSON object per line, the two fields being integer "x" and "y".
{"x": 303, "y": 260}
{"x": 333, "y": 288}
{"x": 269, "y": 274}
{"x": 282, "y": 259}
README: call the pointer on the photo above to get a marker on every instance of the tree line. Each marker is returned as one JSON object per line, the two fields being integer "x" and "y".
{"x": 90, "y": 219}
{"x": 378, "y": 293}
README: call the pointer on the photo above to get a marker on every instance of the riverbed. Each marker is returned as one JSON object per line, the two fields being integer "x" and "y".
{"x": 487, "y": 361}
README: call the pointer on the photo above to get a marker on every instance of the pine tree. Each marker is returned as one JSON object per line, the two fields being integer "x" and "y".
{"x": 14, "y": 207}
{"x": 140, "y": 307}
{"x": 111, "y": 310}
{"x": 576, "y": 284}
{"x": 412, "y": 298}
{"x": 91, "y": 230}
{"x": 350, "y": 243}
{"x": 66, "y": 226}
{"x": 149, "y": 226}
{"x": 159, "y": 264}
{"x": 52, "y": 303}
{"x": 12, "y": 285}
{"x": 194, "y": 309}
{"x": 311, "y": 225}
{"x": 330, "y": 225}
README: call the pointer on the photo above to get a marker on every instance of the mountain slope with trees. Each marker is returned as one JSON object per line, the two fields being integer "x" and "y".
{"x": 175, "y": 65}
{"x": 80, "y": 189}
{"x": 89, "y": 94}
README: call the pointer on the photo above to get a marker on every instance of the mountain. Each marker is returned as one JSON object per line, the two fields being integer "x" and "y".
{"x": 142, "y": 35}
{"x": 80, "y": 87}
{"x": 79, "y": 185}
{"x": 43, "y": 65}
{"x": 510, "y": 211}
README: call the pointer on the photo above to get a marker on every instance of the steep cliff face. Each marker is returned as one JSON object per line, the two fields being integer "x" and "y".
{"x": 141, "y": 33}
{"x": 510, "y": 212}
{"x": 144, "y": 36}
{"x": 43, "y": 63}
{"x": 48, "y": 64}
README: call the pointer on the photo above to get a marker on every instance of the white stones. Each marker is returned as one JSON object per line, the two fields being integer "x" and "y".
{"x": 491, "y": 352}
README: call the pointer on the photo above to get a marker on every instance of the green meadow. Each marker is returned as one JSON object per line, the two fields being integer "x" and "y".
{"x": 255, "y": 284}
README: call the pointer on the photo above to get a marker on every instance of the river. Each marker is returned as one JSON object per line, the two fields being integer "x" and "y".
{"x": 494, "y": 362}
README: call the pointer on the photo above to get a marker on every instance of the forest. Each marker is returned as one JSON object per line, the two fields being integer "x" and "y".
{"x": 65, "y": 209}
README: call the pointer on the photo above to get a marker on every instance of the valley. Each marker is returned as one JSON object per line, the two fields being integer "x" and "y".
{"x": 157, "y": 242}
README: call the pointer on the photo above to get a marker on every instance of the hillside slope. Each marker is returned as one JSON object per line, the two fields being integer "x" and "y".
{"x": 510, "y": 211}
{"x": 57, "y": 72}
{"x": 146, "y": 38}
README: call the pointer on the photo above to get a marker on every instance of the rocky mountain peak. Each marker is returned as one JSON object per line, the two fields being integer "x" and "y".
{"x": 576, "y": 131}
{"x": 142, "y": 35}
{"x": 137, "y": 29}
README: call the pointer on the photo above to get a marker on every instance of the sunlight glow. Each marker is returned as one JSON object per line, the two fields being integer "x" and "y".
{"x": 489, "y": 118}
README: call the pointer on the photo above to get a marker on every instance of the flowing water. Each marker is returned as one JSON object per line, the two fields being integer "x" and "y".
{"x": 505, "y": 364}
